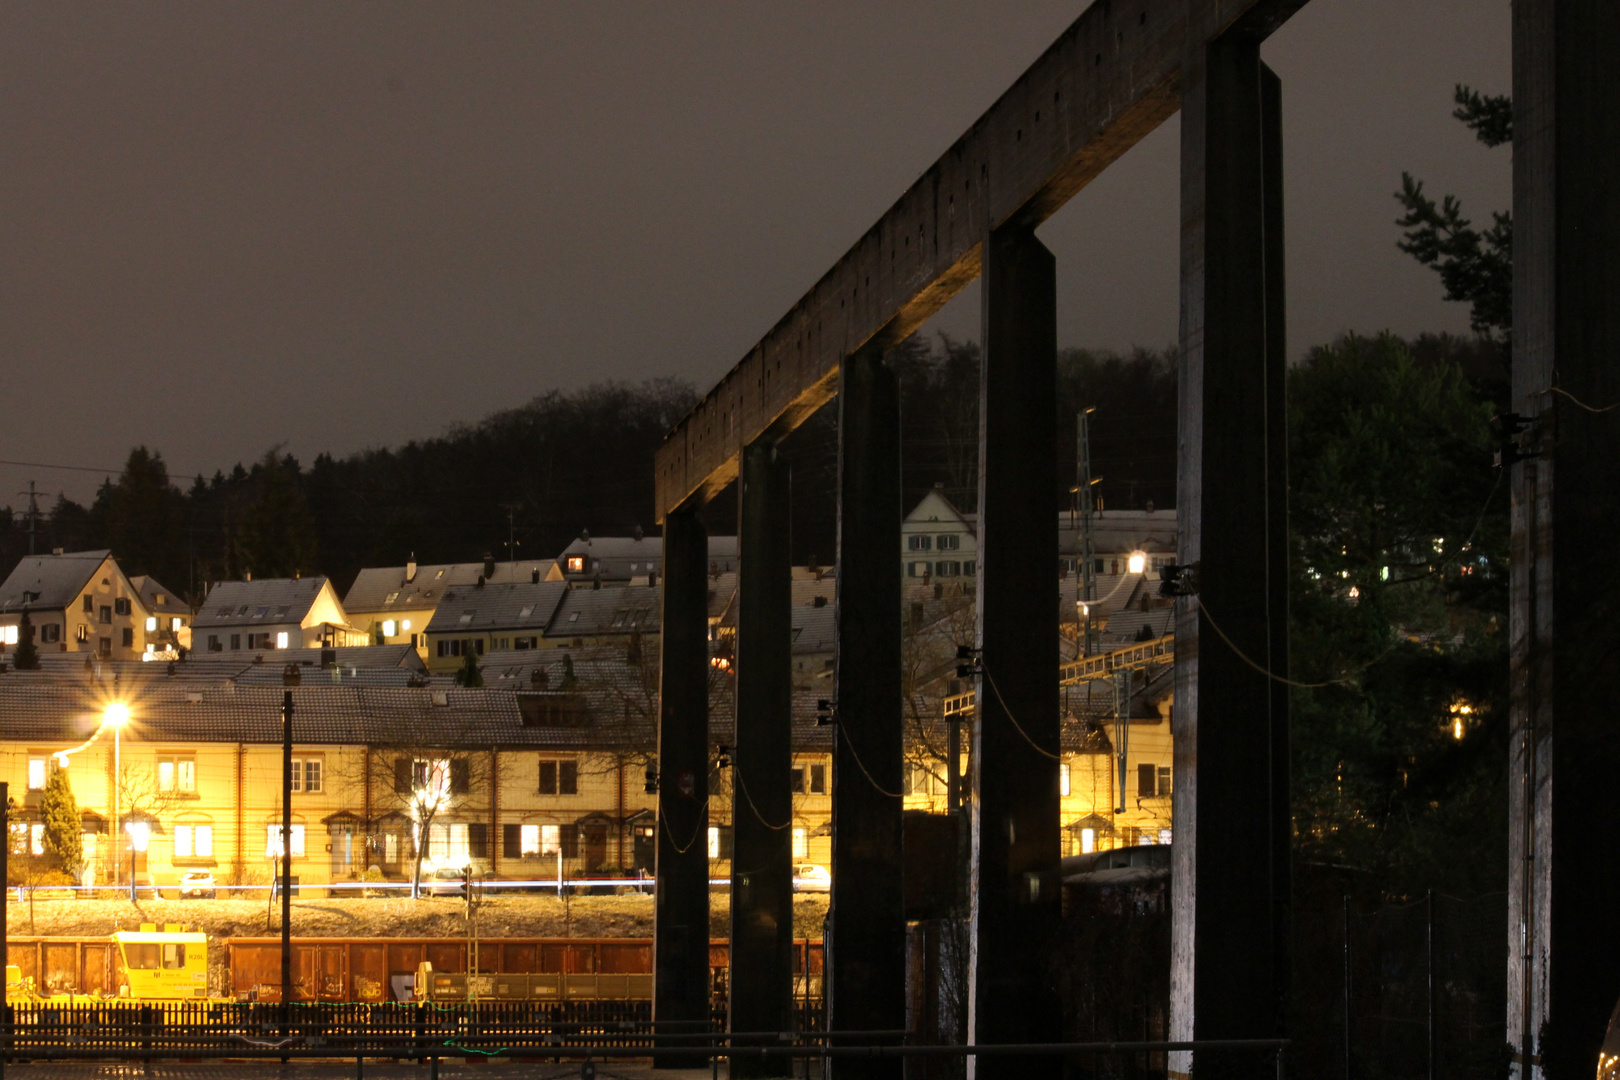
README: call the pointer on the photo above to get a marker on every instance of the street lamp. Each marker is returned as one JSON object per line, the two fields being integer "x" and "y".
{"x": 139, "y": 833}
{"x": 1137, "y": 562}
{"x": 116, "y": 716}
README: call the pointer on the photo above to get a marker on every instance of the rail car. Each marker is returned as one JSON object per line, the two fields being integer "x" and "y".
{"x": 172, "y": 963}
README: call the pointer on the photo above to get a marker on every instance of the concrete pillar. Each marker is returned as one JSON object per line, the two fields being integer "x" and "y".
{"x": 1013, "y": 870}
{"x": 681, "y": 904}
{"x": 761, "y": 800}
{"x": 1231, "y": 883}
{"x": 866, "y": 974}
{"x": 1564, "y": 882}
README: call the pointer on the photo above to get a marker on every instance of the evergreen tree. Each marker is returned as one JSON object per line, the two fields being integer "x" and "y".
{"x": 277, "y": 535}
{"x": 60, "y": 811}
{"x": 27, "y": 658}
{"x": 1475, "y": 266}
{"x": 470, "y": 674}
{"x": 142, "y": 517}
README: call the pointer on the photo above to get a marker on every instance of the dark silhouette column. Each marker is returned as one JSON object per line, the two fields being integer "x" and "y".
{"x": 761, "y": 801}
{"x": 681, "y": 913}
{"x": 866, "y": 953}
{"x": 1013, "y": 993}
{"x": 1231, "y": 885}
{"x": 1564, "y": 881}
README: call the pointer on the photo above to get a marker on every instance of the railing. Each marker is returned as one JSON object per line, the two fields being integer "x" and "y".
{"x": 428, "y": 1033}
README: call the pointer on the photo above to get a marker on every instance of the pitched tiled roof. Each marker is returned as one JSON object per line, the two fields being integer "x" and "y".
{"x": 374, "y": 586}
{"x": 253, "y": 603}
{"x": 621, "y": 557}
{"x": 501, "y": 606}
{"x": 157, "y": 598}
{"x": 615, "y": 611}
{"x": 49, "y": 581}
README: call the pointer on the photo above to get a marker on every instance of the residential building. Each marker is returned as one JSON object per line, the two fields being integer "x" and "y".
{"x": 481, "y": 618}
{"x": 77, "y": 602}
{"x": 939, "y": 542}
{"x": 273, "y": 613}
{"x": 636, "y": 559}
{"x": 168, "y": 619}
{"x": 394, "y": 604}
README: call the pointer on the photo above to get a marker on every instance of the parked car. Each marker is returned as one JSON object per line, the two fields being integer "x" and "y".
{"x": 808, "y": 877}
{"x": 197, "y": 884}
{"x": 445, "y": 881}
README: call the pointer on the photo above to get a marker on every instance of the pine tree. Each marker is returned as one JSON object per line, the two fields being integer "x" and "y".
{"x": 27, "y": 654}
{"x": 470, "y": 674}
{"x": 60, "y": 811}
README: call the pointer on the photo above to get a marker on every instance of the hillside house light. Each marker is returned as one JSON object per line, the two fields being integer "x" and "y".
{"x": 1136, "y": 563}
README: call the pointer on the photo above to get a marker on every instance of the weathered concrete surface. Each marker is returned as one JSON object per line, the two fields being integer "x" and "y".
{"x": 1564, "y": 882}
{"x": 1232, "y": 830}
{"x": 866, "y": 957}
{"x": 1107, "y": 82}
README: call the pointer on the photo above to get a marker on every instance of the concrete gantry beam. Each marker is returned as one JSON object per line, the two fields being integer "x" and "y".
{"x": 1108, "y": 81}
{"x": 1014, "y": 887}
{"x": 866, "y": 961}
{"x": 681, "y": 904}
{"x": 1232, "y": 830}
{"x": 1564, "y": 882}
{"x": 761, "y": 960}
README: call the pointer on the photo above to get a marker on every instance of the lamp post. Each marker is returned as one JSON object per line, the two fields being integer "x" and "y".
{"x": 117, "y": 715}
{"x": 139, "y": 833}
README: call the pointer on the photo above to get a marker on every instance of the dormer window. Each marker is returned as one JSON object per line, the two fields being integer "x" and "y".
{"x": 390, "y": 598}
{"x": 576, "y": 564}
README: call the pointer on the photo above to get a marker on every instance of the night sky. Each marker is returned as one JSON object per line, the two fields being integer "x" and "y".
{"x": 331, "y": 226}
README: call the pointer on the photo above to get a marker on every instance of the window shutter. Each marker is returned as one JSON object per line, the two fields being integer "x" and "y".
{"x": 402, "y": 776}
{"x": 548, "y": 778}
{"x": 1146, "y": 781}
{"x": 568, "y": 778}
{"x": 478, "y": 840}
{"x": 512, "y": 841}
{"x": 570, "y": 841}
{"x": 460, "y": 778}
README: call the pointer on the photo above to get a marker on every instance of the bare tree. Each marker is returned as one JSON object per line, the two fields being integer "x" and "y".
{"x": 428, "y": 780}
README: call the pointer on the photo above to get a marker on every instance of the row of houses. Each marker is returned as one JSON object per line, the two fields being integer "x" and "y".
{"x": 547, "y": 764}
{"x": 548, "y": 760}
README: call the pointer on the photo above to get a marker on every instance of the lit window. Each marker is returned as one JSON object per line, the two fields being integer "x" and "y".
{"x": 550, "y": 839}
{"x": 151, "y": 624}
{"x": 1164, "y": 836}
{"x": 37, "y": 832}
{"x": 801, "y": 844}
{"x": 390, "y": 628}
{"x": 36, "y": 774}
{"x": 1088, "y": 841}
{"x": 405, "y": 626}
{"x": 1063, "y": 779}
{"x": 281, "y": 640}
{"x": 272, "y": 843}
{"x": 529, "y": 840}
{"x": 714, "y": 842}
{"x": 576, "y": 564}
{"x": 1136, "y": 563}
{"x": 174, "y": 623}
{"x": 177, "y": 774}
{"x": 8, "y": 635}
{"x": 197, "y": 841}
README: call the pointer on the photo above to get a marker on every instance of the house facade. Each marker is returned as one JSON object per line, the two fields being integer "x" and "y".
{"x": 394, "y": 604}
{"x": 273, "y": 613}
{"x": 76, "y": 602}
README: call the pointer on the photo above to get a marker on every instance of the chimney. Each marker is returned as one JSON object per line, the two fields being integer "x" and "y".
{"x": 638, "y": 533}
{"x": 480, "y": 583}
{"x": 534, "y": 576}
{"x": 410, "y": 569}
{"x": 489, "y": 566}
{"x": 247, "y": 575}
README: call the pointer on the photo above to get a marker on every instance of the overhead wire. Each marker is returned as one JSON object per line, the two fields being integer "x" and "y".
{"x": 870, "y": 779}
{"x": 1584, "y": 405}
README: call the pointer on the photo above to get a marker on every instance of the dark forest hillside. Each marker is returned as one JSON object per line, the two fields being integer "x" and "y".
{"x": 538, "y": 473}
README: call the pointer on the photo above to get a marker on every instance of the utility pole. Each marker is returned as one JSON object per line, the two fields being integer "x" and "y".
{"x": 289, "y": 679}
{"x": 1122, "y": 728}
{"x": 1086, "y": 580}
{"x": 511, "y": 538}
{"x": 33, "y": 514}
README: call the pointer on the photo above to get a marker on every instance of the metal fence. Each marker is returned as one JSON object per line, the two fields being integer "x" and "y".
{"x": 1402, "y": 991}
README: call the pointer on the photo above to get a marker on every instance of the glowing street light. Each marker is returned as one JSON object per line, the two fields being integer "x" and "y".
{"x": 115, "y": 716}
{"x": 1136, "y": 563}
